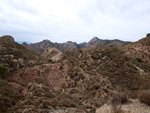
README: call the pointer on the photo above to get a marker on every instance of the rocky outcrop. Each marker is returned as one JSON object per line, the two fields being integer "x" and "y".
{"x": 52, "y": 55}
{"x": 53, "y": 73}
{"x": 94, "y": 40}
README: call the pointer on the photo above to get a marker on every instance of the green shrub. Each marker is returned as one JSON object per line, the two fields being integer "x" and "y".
{"x": 139, "y": 59}
{"x": 144, "y": 97}
{"x": 3, "y": 71}
{"x": 81, "y": 51}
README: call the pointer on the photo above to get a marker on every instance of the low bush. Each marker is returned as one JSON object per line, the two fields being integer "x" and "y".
{"x": 119, "y": 98}
{"x": 139, "y": 59}
{"x": 3, "y": 71}
{"x": 144, "y": 97}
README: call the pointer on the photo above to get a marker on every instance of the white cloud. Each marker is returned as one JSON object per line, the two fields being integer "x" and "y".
{"x": 76, "y": 20}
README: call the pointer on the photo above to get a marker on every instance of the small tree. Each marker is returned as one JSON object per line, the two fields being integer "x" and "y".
{"x": 3, "y": 71}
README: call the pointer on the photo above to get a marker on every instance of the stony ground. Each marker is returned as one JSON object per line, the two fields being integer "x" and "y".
{"x": 133, "y": 107}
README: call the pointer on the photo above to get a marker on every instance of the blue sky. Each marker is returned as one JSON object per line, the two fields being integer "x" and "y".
{"x": 74, "y": 20}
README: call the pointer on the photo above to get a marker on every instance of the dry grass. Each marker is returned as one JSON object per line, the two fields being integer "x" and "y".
{"x": 117, "y": 110}
{"x": 144, "y": 97}
{"x": 118, "y": 98}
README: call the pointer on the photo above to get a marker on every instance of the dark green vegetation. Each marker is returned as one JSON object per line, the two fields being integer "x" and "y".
{"x": 139, "y": 59}
{"x": 3, "y": 71}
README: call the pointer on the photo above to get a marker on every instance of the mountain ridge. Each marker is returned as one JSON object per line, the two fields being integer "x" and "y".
{"x": 94, "y": 42}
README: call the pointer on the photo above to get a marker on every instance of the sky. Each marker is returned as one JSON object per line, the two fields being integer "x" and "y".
{"x": 74, "y": 20}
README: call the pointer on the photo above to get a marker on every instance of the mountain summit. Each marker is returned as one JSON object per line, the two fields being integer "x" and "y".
{"x": 7, "y": 38}
{"x": 93, "y": 40}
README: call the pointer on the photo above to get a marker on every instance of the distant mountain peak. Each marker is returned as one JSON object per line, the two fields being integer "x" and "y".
{"x": 94, "y": 39}
{"x": 94, "y": 42}
{"x": 46, "y": 40}
{"x": 24, "y": 44}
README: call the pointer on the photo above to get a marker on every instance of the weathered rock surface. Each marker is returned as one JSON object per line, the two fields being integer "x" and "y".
{"x": 52, "y": 54}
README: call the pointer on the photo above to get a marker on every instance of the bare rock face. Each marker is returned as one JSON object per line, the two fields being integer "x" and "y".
{"x": 52, "y": 54}
{"x": 94, "y": 40}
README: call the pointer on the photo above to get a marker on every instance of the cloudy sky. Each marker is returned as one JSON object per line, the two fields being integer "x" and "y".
{"x": 74, "y": 20}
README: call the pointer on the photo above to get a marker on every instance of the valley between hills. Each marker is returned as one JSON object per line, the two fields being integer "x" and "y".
{"x": 100, "y": 76}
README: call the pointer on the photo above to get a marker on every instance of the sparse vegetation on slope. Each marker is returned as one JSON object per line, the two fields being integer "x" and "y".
{"x": 8, "y": 96}
{"x": 110, "y": 65}
{"x": 83, "y": 79}
{"x": 139, "y": 49}
{"x": 15, "y": 56}
{"x": 41, "y": 97}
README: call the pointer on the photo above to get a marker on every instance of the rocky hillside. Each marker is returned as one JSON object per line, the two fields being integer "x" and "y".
{"x": 8, "y": 96}
{"x": 15, "y": 56}
{"x": 76, "y": 81}
{"x": 95, "y": 42}
{"x": 140, "y": 49}
{"x": 111, "y": 65}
